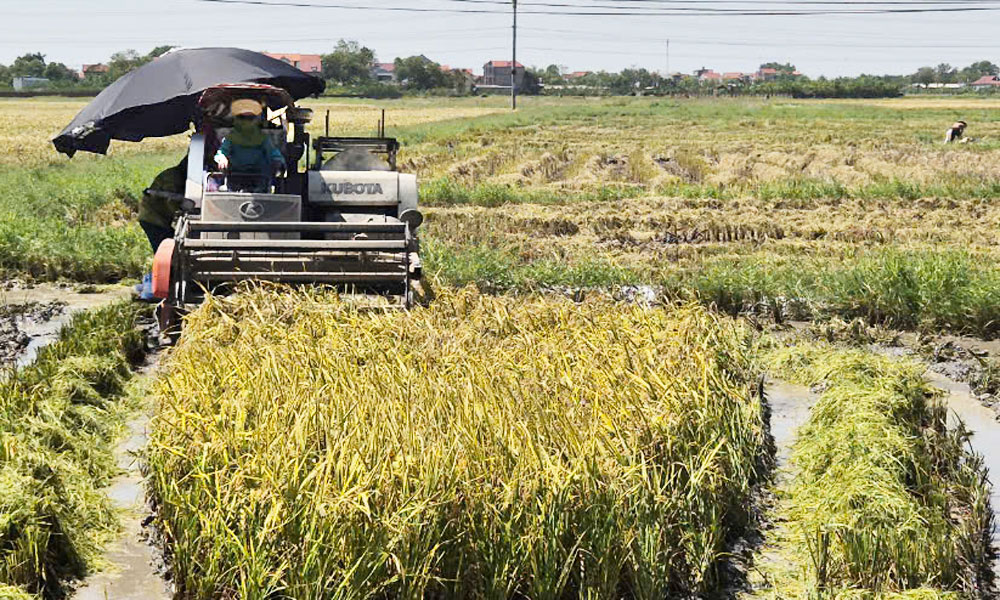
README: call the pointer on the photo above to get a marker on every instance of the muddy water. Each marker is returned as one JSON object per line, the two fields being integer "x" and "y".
{"x": 43, "y": 333}
{"x": 982, "y": 422}
{"x": 790, "y": 405}
{"x": 136, "y": 571}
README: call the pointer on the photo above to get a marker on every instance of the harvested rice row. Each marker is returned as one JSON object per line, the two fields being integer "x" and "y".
{"x": 58, "y": 419}
{"x": 885, "y": 500}
{"x": 481, "y": 448}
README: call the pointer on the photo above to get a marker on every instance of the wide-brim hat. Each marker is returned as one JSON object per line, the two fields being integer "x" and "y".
{"x": 245, "y": 107}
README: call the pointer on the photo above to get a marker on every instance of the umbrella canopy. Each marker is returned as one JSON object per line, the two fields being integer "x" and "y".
{"x": 161, "y": 97}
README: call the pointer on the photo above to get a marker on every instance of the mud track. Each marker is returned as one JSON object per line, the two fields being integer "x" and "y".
{"x": 32, "y": 315}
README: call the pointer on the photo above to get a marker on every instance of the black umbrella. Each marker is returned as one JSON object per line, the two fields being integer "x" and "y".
{"x": 160, "y": 98}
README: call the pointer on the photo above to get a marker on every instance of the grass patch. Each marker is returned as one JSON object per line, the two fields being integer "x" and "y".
{"x": 499, "y": 270}
{"x": 485, "y": 447}
{"x": 885, "y": 499}
{"x": 930, "y": 290}
{"x": 58, "y": 419}
{"x": 927, "y": 290}
{"x": 75, "y": 220}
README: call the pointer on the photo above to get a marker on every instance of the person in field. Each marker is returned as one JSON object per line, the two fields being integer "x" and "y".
{"x": 157, "y": 208}
{"x": 159, "y": 205}
{"x": 955, "y": 132}
{"x": 247, "y": 149}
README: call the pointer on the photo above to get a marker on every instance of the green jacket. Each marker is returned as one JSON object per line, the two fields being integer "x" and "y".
{"x": 157, "y": 210}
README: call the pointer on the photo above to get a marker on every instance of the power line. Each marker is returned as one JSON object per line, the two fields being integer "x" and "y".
{"x": 586, "y": 10}
{"x": 752, "y": 44}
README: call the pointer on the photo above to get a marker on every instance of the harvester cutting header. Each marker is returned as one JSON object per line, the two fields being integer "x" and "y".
{"x": 261, "y": 200}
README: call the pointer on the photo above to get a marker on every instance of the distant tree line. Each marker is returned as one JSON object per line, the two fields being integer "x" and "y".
{"x": 784, "y": 83}
{"x": 350, "y": 69}
{"x": 945, "y": 73}
{"x": 62, "y": 77}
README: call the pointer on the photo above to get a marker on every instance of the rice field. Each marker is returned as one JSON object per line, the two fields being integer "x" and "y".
{"x": 579, "y": 412}
{"x": 28, "y": 125}
{"x": 59, "y": 419}
{"x": 456, "y": 451}
{"x": 886, "y": 500}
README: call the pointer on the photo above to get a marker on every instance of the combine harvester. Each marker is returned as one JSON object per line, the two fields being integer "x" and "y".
{"x": 348, "y": 218}
{"x": 340, "y": 214}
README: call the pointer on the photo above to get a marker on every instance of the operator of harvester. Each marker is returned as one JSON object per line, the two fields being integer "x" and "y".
{"x": 246, "y": 150}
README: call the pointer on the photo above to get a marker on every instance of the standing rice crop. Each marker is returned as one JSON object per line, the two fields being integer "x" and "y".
{"x": 481, "y": 448}
{"x": 886, "y": 500}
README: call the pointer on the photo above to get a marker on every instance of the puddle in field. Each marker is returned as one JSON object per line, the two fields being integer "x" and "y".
{"x": 37, "y": 313}
{"x": 982, "y": 422}
{"x": 790, "y": 405}
{"x": 136, "y": 569}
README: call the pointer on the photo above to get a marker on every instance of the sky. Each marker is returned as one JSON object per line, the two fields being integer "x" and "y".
{"x": 75, "y": 32}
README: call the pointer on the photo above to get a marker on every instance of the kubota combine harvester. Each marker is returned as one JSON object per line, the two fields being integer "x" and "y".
{"x": 338, "y": 214}
{"x": 347, "y": 217}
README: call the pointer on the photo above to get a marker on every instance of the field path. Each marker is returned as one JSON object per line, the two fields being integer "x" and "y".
{"x": 132, "y": 575}
{"x": 135, "y": 571}
{"x": 790, "y": 405}
{"x": 982, "y": 422}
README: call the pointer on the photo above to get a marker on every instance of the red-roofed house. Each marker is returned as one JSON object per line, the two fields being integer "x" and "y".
{"x": 309, "y": 63}
{"x": 986, "y": 82}
{"x": 767, "y": 74}
{"x": 93, "y": 70}
{"x": 497, "y": 72}
{"x": 710, "y": 76}
{"x": 576, "y": 75}
{"x": 384, "y": 72}
{"x": 466, "y": 76}
{"x": 734, "y": 76}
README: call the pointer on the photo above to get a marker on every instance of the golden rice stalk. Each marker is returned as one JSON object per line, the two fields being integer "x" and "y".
{"x": 480, "y": 448}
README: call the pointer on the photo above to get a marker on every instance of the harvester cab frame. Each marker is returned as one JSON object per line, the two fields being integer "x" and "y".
{"x": 342, "y": 217}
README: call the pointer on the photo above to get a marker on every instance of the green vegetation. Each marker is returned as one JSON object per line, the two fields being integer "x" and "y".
{"x": 485, "y": 447}
{"x": 75, "y": 220}
{"x": 884, "y": 498}
{"x": 948, "y": 290}
{"x": 59, "y": 418}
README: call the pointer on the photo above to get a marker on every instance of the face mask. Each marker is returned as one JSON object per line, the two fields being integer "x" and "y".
{"x": 244, "y": 126}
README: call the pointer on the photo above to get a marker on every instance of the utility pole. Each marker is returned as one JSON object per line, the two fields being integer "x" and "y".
{"x": 667, "y": 74}
{"x": 513, "y": 63}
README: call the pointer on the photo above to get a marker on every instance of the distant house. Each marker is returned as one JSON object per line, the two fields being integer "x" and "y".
{"x": 986, "y": 82}
{"x": 575, "y": 75}
{"x": 498, "y": 73}
{"x": 710, "y": 77}
{"x": 733, "y": 77}
{"x": 22, "y": 84}
{"x": 93, "y": 70}
{"x": 767, "y": 74}
{"x": 308, "y": 63}
{"x": 384, "y": 72}
{"x": 944, "y": 86}
{"x": 467, "y": 78}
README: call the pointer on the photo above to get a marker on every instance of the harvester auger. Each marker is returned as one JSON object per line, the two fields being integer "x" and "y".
{"x": 347, "y": 219}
